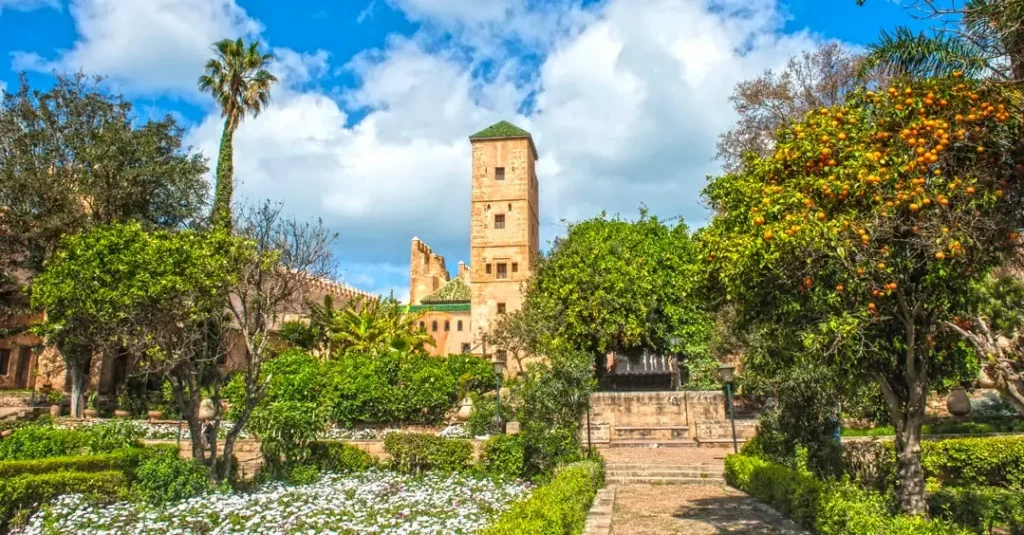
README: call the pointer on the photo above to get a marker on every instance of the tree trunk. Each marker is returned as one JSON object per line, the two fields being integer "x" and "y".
{"x": 908, "y": 464}
{"x": 221, "y": 216}
{"x": 76, "y": 368}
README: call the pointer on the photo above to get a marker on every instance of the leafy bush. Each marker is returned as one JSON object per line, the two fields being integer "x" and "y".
{"x": 557, "y": 508}
{"x": 113, "y": 436}
{"x": 946, "y": 428}
{"x": 417, "y": 452}
{"x": 504, "y": 455}
{"x": 27, "y": 492}
{"x": 980, "y": 508}
{"x": 827, "y": 508}
{"x": 481, "y": 420}
{"x": 472, "y": 374}
{"x": 286, "y": 429}
{"x": 168, "y": 478}
{"x": 340, "y": 457}
{"x": 38, "y": 441}
{"x": 991, "y": 461}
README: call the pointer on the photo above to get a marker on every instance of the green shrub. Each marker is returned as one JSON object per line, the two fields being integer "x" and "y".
{"x": 27, "y": 492}
{"x": 340, "y": 457}
{"x": 827, "y": 508}
{"x": 980, "y": 508}
{"x": 986, "y": 461}
{"x": 286, "y": 429}
{"x": 557, "y": 508}
{"x": 40, "y": 441}
{"x": 472, "y": 374}
{"x": 168, "y": 478}
{"x": 417, "y": 452}
{"x": 504, "y": 455}
{"x": 125, "y": 461}
{"x": 302, "y": 474}
{"x": 113, "y": 436}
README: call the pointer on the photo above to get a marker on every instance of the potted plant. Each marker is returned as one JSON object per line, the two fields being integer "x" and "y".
{"x": 90, "y": 411}
{"x": 123, "y": 402}
{"x": 55, "y": 398}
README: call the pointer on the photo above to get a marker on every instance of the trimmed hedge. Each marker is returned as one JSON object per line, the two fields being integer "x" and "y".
{"x": 557, "y": 508}
{"x": 418, "y": 452}
{"x": 25, "y": 492}
{"x": 958, "y": 462}
{"x": 980, "y": 508}
{"x": 340, "y": 457}
{"x": 167, "y": 478}
{"x": 124, "y": 460}
{"x": 827, "y": 508}
{"x": 504, "y": 455}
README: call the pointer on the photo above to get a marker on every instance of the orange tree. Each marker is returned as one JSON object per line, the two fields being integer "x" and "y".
{"x": 865, "y": 231}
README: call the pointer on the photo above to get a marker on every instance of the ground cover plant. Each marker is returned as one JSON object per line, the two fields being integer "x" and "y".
{"x": 368, "y": 502}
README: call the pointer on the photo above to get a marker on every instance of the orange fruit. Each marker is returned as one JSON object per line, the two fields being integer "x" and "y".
{"x": 940, "y": 255}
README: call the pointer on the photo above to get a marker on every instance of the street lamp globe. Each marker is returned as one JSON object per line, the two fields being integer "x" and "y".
{"x": 499, "y": 365}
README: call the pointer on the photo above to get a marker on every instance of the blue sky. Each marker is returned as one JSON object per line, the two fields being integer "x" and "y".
{"x": 368, "y": 127}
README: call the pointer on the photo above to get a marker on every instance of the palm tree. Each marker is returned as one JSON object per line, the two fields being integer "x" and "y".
{"x": 980, "y": 38}
{"x": 237, "y": 78}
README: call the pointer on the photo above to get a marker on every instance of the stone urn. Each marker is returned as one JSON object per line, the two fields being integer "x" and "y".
{"x": 92, "y": 413}
{"x": 206, "y": 411}
{"x": 465, "y": 409}
{"x": 55, "y": 410}
{"x": 122, "y": 414}
{"x": 958, "y": 403}
{"x": 155, "y": 415}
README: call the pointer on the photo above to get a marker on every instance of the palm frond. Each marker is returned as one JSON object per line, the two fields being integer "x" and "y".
{"x": 905, "y": 53}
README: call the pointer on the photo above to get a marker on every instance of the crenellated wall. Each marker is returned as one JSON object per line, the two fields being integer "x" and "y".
{"x": 427, "y": 271}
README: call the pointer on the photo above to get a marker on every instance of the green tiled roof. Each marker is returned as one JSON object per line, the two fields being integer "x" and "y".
{"x": 440, "y": 307}
{"x": 505, "y": 130}
{"x": 455, "y": 290}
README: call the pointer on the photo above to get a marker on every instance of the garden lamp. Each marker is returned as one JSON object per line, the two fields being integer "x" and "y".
{"x": 726, "y": 372}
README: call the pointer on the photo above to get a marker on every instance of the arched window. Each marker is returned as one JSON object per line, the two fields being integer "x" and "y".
{"x": 433, "y": 326}
{"x": 447, "y": 326}
{"x": 465, "y": 348}
{"x": 423, "y": 325}
{"x": 458, "y": 325}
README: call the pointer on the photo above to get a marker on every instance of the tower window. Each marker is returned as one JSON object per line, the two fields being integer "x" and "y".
{"x": 499, "y": 173}
{"x": 423, "y": 325}
{"x": 501, "y": 308}
{"x": 433, "y": 326}
{"x": 447, "y": 326}
{"x": 509, "y": 207}
{"x": 499, "y": 220}
{"x": 515, "y": 267}
{"x": 458, "y": 325}
{"x": 502, "y": 270}
{"x": 487, "y": 269}
{"x": 465, "y": 348}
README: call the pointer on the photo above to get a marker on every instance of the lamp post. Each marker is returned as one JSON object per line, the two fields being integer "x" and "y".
{"x": 673, "y": 350}
{"x": 499, "y": 370}
{"x": 726, "y": 373}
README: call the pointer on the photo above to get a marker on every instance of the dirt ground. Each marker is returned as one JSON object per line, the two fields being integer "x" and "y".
{"x": 694, "y": 509}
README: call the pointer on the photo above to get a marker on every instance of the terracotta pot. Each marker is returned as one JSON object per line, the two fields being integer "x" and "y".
{"x": 958, "y": 403}
{"x": 121, "y": 414}
{"x": 92, "y": 413}
{"x": 155, "y": 415}
{"x": 465, "y": 409}
{"x": 55, "y": 410}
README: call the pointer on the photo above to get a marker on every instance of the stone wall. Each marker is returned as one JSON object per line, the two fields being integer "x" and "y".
{"x": 698, "y": 416}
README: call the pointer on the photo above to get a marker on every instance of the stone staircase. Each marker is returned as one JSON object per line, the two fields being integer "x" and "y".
{"x": 679, "y": 473}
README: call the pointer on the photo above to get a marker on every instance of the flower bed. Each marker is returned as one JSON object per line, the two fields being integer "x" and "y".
{"x": 371, "y": 502}
{"x": 169, "y": 431}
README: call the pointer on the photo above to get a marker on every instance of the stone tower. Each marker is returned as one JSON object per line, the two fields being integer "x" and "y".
{"x": 504, "y": 227}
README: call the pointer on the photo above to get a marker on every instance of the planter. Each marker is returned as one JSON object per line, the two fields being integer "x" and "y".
{"x": 121, "y": 414}
{"x": 92, "y": 413}
{"x": 155, "y": 415}
{"x": 958, "y": 403}
{"x": 55, "y": 410}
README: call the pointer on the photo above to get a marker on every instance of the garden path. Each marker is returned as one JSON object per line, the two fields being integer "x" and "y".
{"x": 635, "y": 506}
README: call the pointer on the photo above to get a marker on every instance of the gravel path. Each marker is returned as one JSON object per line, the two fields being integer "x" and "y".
{"x": 694, "y": 509}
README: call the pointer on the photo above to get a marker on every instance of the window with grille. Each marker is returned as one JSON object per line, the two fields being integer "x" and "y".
{"x": 433, "y": 326}
{"x": 515, "y": 267}
{"x": 501, "y": 308}
{"x": 447, "y": 326}
{"x": 502, "y": 270}
{"x": 499, "y": 173}
{"x": 499, "y": 220}
{"x": 487, "y": 269}
{"x": 458, "y": 325}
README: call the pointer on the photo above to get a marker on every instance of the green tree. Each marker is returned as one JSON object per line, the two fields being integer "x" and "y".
{"x": 981, "y": 38}
{"x": 865, "y": 232}
{"x": 616, "y": 285}
{"x": 115, "y": 285}
{"x": 75, "y": 156}
{"x": 238, "y": 80}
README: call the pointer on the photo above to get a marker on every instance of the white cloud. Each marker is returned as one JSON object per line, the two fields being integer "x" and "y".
{"x": 146, "y": 46}
{"x": 28, "y": 5}
{"x": 625, "y": 106}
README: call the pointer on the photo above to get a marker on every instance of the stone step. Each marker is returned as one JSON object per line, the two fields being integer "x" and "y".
{"x": 652, "y": 444}
{"x": 663, "y": 473}
{"x": 659, "y": 432}
{"x": 665, "y": 466}
{"x": 666, "y": 480}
